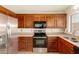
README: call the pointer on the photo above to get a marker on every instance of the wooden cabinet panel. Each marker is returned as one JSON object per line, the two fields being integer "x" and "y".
{"x": 68, "y": 44}
{"x": 51, "y": 21}
{"x": 20, "y": 21}
{"x": 65, "y": 47}
{"x": 28, "y": 21}
{"x": 25, "y": 44}
{"x": 52, "y": 44}
{"x": 56, "y": 21}
{"x": 42, "y": 18}
{"x": 29, "y": 44}
{"x": 37, "y": 18}
{"x": 60, "y": 46}
{"x": 22, "y": 44}
{"x": 60, "y": 21}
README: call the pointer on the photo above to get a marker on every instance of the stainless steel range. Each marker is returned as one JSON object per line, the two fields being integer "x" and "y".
{"x": 40, "y": 43}
{"x": 40, "y": 38}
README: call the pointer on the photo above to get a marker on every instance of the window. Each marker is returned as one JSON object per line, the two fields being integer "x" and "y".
{"x": 74, "y": 23}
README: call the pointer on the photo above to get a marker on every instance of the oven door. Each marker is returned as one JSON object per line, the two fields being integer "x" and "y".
{"x": 39, "y": 43}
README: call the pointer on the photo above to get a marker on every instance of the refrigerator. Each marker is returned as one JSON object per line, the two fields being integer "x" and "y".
{"x": 8, "y": 26}
{"x": 12, "y": 27}
{"x": 3, "y": 33}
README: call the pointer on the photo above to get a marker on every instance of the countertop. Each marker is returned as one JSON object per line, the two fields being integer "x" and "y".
{"x": 31, "y": 35}
{"x": 49, "y": 35}
{"x": 75, "y": 44}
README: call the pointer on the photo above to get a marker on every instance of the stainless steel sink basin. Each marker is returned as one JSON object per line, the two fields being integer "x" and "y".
{"x": 73, "y": 39}
{"x": 66, "y": 37}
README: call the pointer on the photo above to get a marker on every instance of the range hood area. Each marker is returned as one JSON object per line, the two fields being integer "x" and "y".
{"x": 44, "y": 33}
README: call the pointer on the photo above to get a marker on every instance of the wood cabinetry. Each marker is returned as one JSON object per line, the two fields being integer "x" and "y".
{"x": 56, "y": 21}
{"x": 28, "y": 21}
{"x": 52, "y": 44}
{"x": 20, "y": 21}
{"x": 60, "y": 21}
{"x": 29, "y": 44}
{"x": 65, "y": 47}
{"x": 25, "y": 44}
{"x": 52, "y": 20}
{"x": 39, "y": 17}
{"x": 22, "y": 46}
{"x": 57, "y": 44}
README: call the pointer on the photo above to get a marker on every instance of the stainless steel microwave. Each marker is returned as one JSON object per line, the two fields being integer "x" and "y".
{"x": 39, "y": 24}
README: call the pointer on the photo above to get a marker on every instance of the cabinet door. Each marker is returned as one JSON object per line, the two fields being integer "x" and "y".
{"x": 28, "y": 21}
{"x": 25, "y": 44}
{"x": 22, "y": 44}
{"x": 42, "y": 17}
{"x": 59, "y": 45}
{"x": 60, "y": 21}
{"x": 65, "y": 47}
{"x": 20, "y": 21}
{"x": 50, "y": 21}
{"x": 67, "y": 50}
{"x": 69, "y": 47}
{"x": 36, "y": 17}
{"x": 52, "y": 44}
{"x": 30, "y": 44}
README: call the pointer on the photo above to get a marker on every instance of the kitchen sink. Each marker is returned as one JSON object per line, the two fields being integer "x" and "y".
{"x": 66, "y": 37}
{"x": 73, "y": 39}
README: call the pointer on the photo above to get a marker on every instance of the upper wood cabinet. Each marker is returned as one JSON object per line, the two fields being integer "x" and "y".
{"x": 20, "y": 21}
{"x": 52, "y": 20}
{"x": 56, "y": 21}
{"x": 36, "y": 18}
{"x": 39, "y": 17}
{"x": 60, "y": 21}
{"x": 28, "y": 21}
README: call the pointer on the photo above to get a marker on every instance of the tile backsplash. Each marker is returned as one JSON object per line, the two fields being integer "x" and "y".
{"x": 55, "y": 30}
{"x": 32, "y": 30}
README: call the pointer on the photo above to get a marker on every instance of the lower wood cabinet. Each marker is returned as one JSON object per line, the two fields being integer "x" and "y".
{"x": 52, "y": 44}
{"x": 65, "y": 47}
{"x": 57, "y": 44}
{"x": 25, "y": 44}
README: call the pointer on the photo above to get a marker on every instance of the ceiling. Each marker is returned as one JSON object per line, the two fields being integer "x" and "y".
{"x": 37, "y": 9}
